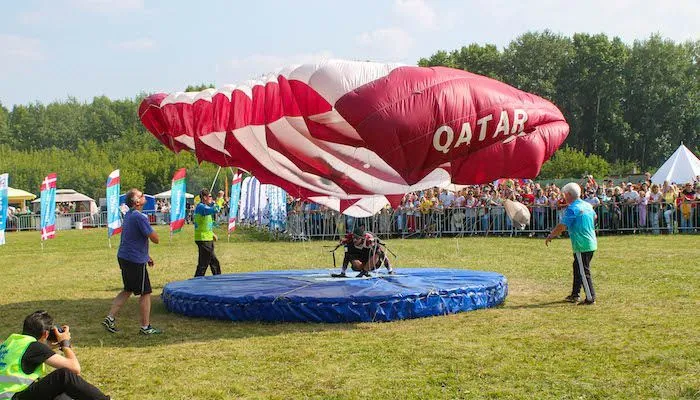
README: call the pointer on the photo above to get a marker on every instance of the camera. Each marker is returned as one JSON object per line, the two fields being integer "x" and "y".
{"x": 52, "y": 333}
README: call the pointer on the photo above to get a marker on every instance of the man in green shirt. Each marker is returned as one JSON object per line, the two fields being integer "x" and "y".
{"x": 579, "y": 219}
{"x": 204, "y": 236}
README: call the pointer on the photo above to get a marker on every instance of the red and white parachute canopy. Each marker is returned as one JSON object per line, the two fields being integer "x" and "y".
{"x": 356, "y": 135}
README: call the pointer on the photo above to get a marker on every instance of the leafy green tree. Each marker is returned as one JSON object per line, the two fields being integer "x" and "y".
{"x": 483, "y": 60}
{"x": 105, "y": 124}
{"x": 624, "y": 168}
{"x": 439, "y": 59}
{"x": 533, "y": 62}
{"x": 199, "y": 88}
{"x": 20, "y": 124}
{"x": 4, "y": 128}
{"x": 590, "y": 93}
{"x": 569, "y": 162}
{"x": 661, "y": 98}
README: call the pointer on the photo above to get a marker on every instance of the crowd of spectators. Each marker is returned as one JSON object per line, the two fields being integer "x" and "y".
{"x": 622, "y": 207}
{"x": 162, "y": 206}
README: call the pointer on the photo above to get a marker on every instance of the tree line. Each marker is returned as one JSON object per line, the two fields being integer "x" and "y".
{"x": 627, "y": 105}
{"x": 86, "y": 168}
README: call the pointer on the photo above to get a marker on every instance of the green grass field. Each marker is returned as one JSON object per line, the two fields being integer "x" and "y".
{"x": 642, "y": 339}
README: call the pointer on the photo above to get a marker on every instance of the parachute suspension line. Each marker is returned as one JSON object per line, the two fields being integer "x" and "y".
{"x": 457, "y": 247}
{"x": 228, "y": 231}
{"x": 168, "y": 261}
{"x": 211, "y": 188}
{"x": 306, "y": 250}
{"x": 374, "y": 180}
{"x": 214, "y": 181}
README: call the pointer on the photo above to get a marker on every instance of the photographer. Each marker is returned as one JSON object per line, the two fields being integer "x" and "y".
{"x": 23, "y": 360}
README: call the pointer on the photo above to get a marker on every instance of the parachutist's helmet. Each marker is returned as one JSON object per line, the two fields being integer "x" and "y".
{"x": 358, "y": 232}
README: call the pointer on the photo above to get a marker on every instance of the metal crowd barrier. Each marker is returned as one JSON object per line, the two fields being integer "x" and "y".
{"x": 613, "y": 218}
{"x": 650, "y": 218}
{"x": 78, "y": 220}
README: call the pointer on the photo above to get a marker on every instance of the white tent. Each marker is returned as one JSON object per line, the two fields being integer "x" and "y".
{"x": 166, "y": 195}
{"x": 85, "y": 203}
{"x": 682, "y": 167}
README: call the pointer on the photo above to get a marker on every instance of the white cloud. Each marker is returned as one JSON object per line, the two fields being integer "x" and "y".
{"x": 19, "y": 54}
{"x": 140, "y": 44}
{"x": 255, "y": 65}
{"x": 109, "y": 6}
{"x": 386, "y": 44}
{"x": 20, "y": 48}
{"x": 416, "y": 11}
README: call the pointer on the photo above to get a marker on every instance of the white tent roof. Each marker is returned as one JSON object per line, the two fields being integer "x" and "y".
{"x": 166, "y": 195}
{"x": 71, "y": 196}
{"x": 68, "y": 195}
{"x": 682, "y": 167}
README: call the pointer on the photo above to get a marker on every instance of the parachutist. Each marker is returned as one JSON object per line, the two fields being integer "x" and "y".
{"x": 364, "y": 253}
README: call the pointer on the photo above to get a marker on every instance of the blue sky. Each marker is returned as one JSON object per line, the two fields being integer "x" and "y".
{"x": 50, "y": 50}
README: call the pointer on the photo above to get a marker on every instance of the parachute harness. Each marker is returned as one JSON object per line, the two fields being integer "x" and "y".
{"x": 375, "y": 245}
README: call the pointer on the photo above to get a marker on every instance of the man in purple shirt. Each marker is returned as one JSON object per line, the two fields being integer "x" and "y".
{"x": 133, "y": 257}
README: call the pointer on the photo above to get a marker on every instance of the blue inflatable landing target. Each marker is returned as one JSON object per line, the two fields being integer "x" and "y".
{"x": 314, "y": 296}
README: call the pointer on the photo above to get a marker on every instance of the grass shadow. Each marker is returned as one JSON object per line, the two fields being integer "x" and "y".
{"x": 84, "y": 316}
{"x": 548, "y": 304}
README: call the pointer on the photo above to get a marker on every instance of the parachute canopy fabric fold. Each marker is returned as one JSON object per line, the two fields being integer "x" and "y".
{"x": 313, "y": 296}
{"x": 682, "y": 167}
{"x": 351, "y": 130}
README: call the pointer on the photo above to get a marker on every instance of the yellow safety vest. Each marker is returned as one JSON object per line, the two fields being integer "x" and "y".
{"x": 12, "y": 379}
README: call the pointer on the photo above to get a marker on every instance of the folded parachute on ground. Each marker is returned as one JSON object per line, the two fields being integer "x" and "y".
{"x": 358, "y": 135}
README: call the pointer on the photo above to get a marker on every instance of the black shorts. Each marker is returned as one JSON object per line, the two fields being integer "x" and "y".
{"x": 135, "y": 277}
{"x": 359, "y": 254}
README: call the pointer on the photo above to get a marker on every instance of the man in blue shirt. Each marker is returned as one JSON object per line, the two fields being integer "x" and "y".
{"x": 579, "y": 219}
{"x": 133, "y": 257}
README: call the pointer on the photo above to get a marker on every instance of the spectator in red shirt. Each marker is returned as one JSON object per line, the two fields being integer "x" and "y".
{"x": 528, "y": 197}
{"x": 687, "y": 207}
